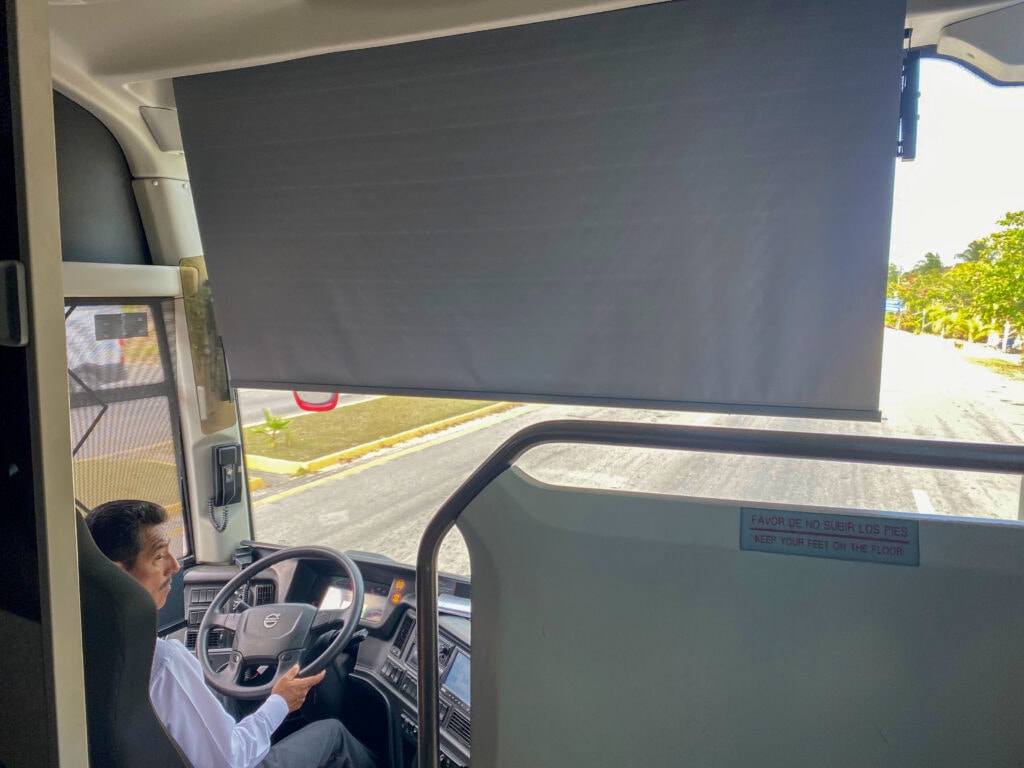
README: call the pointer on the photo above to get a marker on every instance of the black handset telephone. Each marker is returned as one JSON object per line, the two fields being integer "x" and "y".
{"x": 227, "y": 474}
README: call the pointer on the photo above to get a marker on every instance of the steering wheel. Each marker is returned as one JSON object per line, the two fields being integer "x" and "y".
{"x": 276, "y": 635}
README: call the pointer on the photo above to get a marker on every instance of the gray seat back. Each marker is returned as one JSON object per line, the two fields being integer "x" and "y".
{"x": 118, "y": 637}
{"x": 620, "y": 629}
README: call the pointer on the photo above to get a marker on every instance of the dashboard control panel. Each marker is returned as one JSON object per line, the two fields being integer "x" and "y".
{"x": 411, "y": 731}
{"x": 198, "y": 597}
{"x": 399, "y": 668}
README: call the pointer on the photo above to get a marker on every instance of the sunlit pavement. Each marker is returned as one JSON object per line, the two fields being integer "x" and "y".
{"x": 925, "y": 373}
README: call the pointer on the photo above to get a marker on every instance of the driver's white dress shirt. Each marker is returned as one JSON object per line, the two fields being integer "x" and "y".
{"x": 196, "y": 720}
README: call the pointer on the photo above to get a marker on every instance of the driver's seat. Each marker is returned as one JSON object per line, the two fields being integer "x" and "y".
{"x": 118, "y": 637}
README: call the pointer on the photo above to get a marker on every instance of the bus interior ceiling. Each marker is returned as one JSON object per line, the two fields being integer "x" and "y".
{"x": 722, "y": 644}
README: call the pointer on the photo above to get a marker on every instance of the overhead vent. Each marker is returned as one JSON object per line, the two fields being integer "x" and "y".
{"x": 682, "y": 204}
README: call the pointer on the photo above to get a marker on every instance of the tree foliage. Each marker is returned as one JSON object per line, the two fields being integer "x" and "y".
{"x": 1003, "y": 287}
{"x": 977, "y": 295}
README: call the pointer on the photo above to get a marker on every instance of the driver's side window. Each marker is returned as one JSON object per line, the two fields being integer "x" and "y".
{"x": 123, "y": 409}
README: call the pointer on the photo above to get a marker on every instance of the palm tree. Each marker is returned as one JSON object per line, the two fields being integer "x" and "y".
{"x": 272, "y": 426}
{"x": 975, "y": 251}
{"x": 960, "y": 324}
{"x": 931, "y": 262}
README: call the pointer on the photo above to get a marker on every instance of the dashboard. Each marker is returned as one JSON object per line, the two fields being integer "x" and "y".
{"x": 399, "y": 669}
{"x": 376, "y": 597}
{"x": 387, "y": 660}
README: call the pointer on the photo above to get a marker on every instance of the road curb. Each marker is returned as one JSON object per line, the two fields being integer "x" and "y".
{"x": 283, "y": 467}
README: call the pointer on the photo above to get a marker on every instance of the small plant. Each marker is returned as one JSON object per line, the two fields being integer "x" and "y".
{"x": 273, "y": 426}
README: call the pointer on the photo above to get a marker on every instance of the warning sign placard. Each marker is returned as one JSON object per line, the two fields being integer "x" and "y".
{"x": 841, "y": 537}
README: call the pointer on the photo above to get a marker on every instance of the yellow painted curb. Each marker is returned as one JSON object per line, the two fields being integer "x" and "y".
{"x": 282, "y": 467}
{"x": 277, "y": 466}
{"x": 255, "y": 483}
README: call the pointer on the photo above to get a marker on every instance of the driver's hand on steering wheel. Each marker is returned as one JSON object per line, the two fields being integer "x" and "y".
{"x": 293, "y": 689}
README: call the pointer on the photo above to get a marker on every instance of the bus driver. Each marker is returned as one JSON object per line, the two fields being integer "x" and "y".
{"x": 131, "y": 534}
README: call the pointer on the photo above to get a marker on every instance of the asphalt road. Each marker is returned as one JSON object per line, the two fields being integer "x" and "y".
{"x": 382, "y": 503}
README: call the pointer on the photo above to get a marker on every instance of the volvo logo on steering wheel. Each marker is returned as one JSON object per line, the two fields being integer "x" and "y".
{"x": 271, "y": 620}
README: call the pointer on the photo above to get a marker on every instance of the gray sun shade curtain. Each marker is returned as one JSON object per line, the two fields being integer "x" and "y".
{"x": 675, "y": 205}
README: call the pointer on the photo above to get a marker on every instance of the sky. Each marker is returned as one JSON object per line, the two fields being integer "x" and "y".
{"x": 969, "y": 169}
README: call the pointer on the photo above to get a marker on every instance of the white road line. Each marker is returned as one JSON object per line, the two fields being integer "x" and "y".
{"x": 924, "y": 504}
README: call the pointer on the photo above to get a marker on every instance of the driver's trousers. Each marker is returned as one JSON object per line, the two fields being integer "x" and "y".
{"x": 324, "y": 743}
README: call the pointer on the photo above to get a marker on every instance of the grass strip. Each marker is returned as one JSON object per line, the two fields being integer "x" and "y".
{"x": 312, "y": 435}
{"x": 1002, "y": 367}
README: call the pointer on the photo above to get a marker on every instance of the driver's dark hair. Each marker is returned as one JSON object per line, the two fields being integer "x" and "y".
{"x": 117, "y": 526}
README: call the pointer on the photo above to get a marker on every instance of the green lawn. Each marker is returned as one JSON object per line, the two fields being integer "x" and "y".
{"x": 312, "y": 435}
